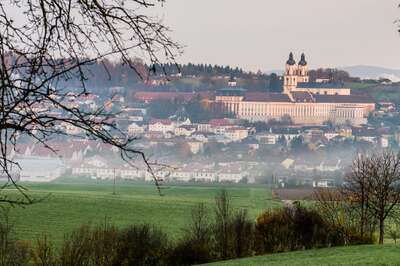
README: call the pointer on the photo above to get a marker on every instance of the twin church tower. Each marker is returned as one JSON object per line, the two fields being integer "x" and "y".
{"x": 305, "y": 102}
{"x": 295, "y": 73}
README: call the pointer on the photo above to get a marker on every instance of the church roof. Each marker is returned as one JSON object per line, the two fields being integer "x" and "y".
{"x": 342, "y": 98}
{"x": 233, "y": 91}
{"x": 266, "y": 97}
{"x": 320, "y": 85}
{"x": 300, "y": 96}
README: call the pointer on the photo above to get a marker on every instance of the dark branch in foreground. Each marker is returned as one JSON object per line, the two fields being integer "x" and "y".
{"x": 53, "y": 42}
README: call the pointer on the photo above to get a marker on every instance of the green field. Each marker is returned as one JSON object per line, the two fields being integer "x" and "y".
{"x": 346, "y": 256}
{"x": 69, "y": 204}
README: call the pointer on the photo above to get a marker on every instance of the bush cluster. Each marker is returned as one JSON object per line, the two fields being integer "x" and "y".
{"x": 298, "y": 228}
{"x": 226, "y": 234}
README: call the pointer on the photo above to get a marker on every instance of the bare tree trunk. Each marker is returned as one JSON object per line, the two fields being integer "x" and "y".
{"x": 381, "y": 230}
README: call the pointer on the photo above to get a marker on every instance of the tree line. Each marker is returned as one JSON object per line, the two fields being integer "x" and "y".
{"x": 215, "y": 233}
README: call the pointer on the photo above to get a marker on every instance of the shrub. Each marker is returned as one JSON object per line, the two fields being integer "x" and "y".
{"x": 354, "y": 237}
{"x": 196, "y": 246}
{"x": 43, "y": 253}
{"x": 141, "y": 245}
{"x": 230, "y": 236}
{"x": 393, "y": 232}
{"x": 104, "y": 245}
{"x": 19, "y": 254}
{"x": 273, "y": 232}
{"x": 310, "y": 229}
{"x": 12, "y": 252}
{"x": 291, "y": 228}
{"x": 243, "y": 234}
{"x": 77, "y": 248}
{"x": 191, "y": 252}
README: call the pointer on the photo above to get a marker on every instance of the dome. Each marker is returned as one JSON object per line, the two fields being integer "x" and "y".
{"x": 303, "y": 61}
{"x": 291, "y": 61}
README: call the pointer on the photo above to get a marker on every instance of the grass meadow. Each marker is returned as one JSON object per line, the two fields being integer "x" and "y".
{"x": 374, "y": 255}
{"x": 69, "y": 203}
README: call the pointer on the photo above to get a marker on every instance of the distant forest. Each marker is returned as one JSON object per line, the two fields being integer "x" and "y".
{"x": 100, "y": 76}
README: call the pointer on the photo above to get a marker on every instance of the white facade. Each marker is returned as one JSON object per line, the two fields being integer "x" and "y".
{"x": 163, "y": 126}
{"x": 135, "y": 130}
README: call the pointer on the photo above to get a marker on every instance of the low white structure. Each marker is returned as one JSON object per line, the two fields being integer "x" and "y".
{"x": 38, "y": 169}
{"x": 162, "y": 126}
{"x": 135, "y": 130}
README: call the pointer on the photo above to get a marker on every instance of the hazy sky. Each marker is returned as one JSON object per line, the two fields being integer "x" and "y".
{"x": 259, "y": 34}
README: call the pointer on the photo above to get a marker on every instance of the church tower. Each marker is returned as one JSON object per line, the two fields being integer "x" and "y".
{"x": 290, "y": 77}
{"x": 232, "y": 81}
{"x": 302, "y": 70}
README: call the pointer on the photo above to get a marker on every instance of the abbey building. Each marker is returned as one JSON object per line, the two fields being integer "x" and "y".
{"x": 305, "y": 102}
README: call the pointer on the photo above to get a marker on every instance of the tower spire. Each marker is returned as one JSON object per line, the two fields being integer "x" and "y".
{"x": 290, "y": 61}
{"x": 303, "y": 61}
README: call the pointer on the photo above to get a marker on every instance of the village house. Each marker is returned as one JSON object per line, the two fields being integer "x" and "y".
{"x": 324, "y": 183}
{"x": 185, "y": 130}
{"x": 135, "y": 130}
{"x": 162, "y": 126}
{"x": 204, "y": 136}
{"x": 195, "y": 146}
{"x": 232, "y": 173}
{"x": 330, "y": 135}
{"x": 236, "y": 133}
{"x": 267, "y": 138}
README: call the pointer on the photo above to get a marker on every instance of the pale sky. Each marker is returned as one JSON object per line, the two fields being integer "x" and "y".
{"x": 259, "y": 34}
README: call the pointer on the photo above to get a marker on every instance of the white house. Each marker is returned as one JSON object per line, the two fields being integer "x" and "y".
{"x": 162, "y": 125}
{"x": 268, "y": 138}
{"x": 236, "y": 133}
{"x": 185, "y": 130}
{"x": 135, "y": 130}
{"x": 196, "y": 146}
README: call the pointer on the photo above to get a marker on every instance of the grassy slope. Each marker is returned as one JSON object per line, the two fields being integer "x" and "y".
{"x": 377, "y": 92}
{"x": 355, "y": 255}
{"x": 72, "y": 204}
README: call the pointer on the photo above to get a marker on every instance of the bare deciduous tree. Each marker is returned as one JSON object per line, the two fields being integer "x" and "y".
{"x": 199, "y": 229}
{"x": 384, "y": 193}
{"x": 46, "y": 43}
{"x": 356, "y": 192}
{"x": 369, "y": 195}
{"x": 223, "y": 221}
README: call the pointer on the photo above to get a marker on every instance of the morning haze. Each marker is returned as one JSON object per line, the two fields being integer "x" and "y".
{"x": 257, "y": 34}
{"x": 125, "y": 149}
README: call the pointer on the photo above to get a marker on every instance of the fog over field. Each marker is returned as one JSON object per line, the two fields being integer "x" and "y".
{"x": 188, "y": 132}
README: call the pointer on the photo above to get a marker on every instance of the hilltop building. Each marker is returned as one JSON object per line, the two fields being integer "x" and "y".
{"x": 305, "y": 102}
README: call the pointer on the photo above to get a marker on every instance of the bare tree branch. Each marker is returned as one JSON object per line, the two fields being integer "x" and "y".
{"x": 54, "y": 41}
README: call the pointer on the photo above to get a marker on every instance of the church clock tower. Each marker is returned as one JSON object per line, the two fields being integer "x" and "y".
{"x": 290, "y": 77}
{"x": 302, "y": 71}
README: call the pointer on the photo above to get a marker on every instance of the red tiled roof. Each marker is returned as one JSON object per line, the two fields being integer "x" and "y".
{"x": 162, "y": 121}
{"x": 153, "y": 96}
